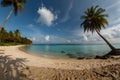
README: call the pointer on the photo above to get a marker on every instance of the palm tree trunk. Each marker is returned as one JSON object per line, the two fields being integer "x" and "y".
{"x": 6, "y": 19}
{"x": 113, "y": 48}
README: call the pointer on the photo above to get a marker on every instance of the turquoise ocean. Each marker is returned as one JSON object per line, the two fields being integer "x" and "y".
{"x": 69, "y": 50}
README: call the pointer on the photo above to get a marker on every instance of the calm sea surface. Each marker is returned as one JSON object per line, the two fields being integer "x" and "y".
{"x": 68, "y": 50}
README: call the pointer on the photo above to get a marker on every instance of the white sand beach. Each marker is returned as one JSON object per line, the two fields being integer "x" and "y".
{"x": 39, "y": 62}
{"x": 42, "y": 61}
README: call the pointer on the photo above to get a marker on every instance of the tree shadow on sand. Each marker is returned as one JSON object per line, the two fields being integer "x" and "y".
{"x": 13, "y": 69}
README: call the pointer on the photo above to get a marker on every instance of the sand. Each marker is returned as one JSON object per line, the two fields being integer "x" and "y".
{"x": 33, "y": 67}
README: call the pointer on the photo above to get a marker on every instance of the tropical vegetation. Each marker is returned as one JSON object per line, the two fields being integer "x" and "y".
{"x": 16, "y": 5}
{"x": 94, "y": 19}
{"x": 12, "y": 38}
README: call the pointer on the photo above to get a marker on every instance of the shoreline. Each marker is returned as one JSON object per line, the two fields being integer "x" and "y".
{"x": 42, "y": 55}
{"x": 45, "y": 61}
{"x": 25, "y": 66}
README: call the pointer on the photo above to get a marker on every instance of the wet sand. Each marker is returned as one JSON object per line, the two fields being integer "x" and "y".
{"x": 47, "y": 68}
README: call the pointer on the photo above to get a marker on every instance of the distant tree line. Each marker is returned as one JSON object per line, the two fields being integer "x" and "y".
{"x": 12, "y": 38}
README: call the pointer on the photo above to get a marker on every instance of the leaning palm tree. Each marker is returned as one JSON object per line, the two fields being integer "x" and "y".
{"x": 15, "y": 4}
{"x": 94, "y": 20}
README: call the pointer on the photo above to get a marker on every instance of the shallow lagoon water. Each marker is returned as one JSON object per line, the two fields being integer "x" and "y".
{"x": 69, "y": 50}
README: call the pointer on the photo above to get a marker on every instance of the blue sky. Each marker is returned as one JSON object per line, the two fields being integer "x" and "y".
{"x": 58, "y": 21}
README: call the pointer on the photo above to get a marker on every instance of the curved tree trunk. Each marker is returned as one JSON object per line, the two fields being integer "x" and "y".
{"x": 113, "y": 52}
{"x": 6, "y": 19}
{"x": 113, "y": 48}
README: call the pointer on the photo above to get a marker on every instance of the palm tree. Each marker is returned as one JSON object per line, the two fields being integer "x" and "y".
{"x": 16, "y": 5}
{"x": 17, "y": 35}
{"x": 94, "y": 20}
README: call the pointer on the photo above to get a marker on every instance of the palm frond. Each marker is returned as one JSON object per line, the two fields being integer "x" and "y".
{"x": 94, "y": 19}
{"x": 6, "y": 3}
{"x": 17, "y": 4}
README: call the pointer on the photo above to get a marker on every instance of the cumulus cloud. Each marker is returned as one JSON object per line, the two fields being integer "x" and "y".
{"x": 46, "y": 16}
{"x": 47, "y": 38}
{"x": 56, "y": 39}
{"x": 112, "y": 34}
{"x": 41, "y": 38}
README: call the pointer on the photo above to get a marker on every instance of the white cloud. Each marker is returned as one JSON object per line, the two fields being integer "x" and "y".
{"x": 115, "y": 21}
{"x": 67, "y": 15}
{"x": 38, "y": 37}
{"x": 30, "y": 25}
{"x": 58, "y": 39}
{"x": 47, "y": 38}
{"x": 112, "y": 34}
{"x": 117, "y": 3}
{"x": 68, "y": 41}
{"x": 113, "y": 10}
{"x": 85, "y": 38}
{"x": 46, "y": 16}
{"x": 33, "y": 39}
